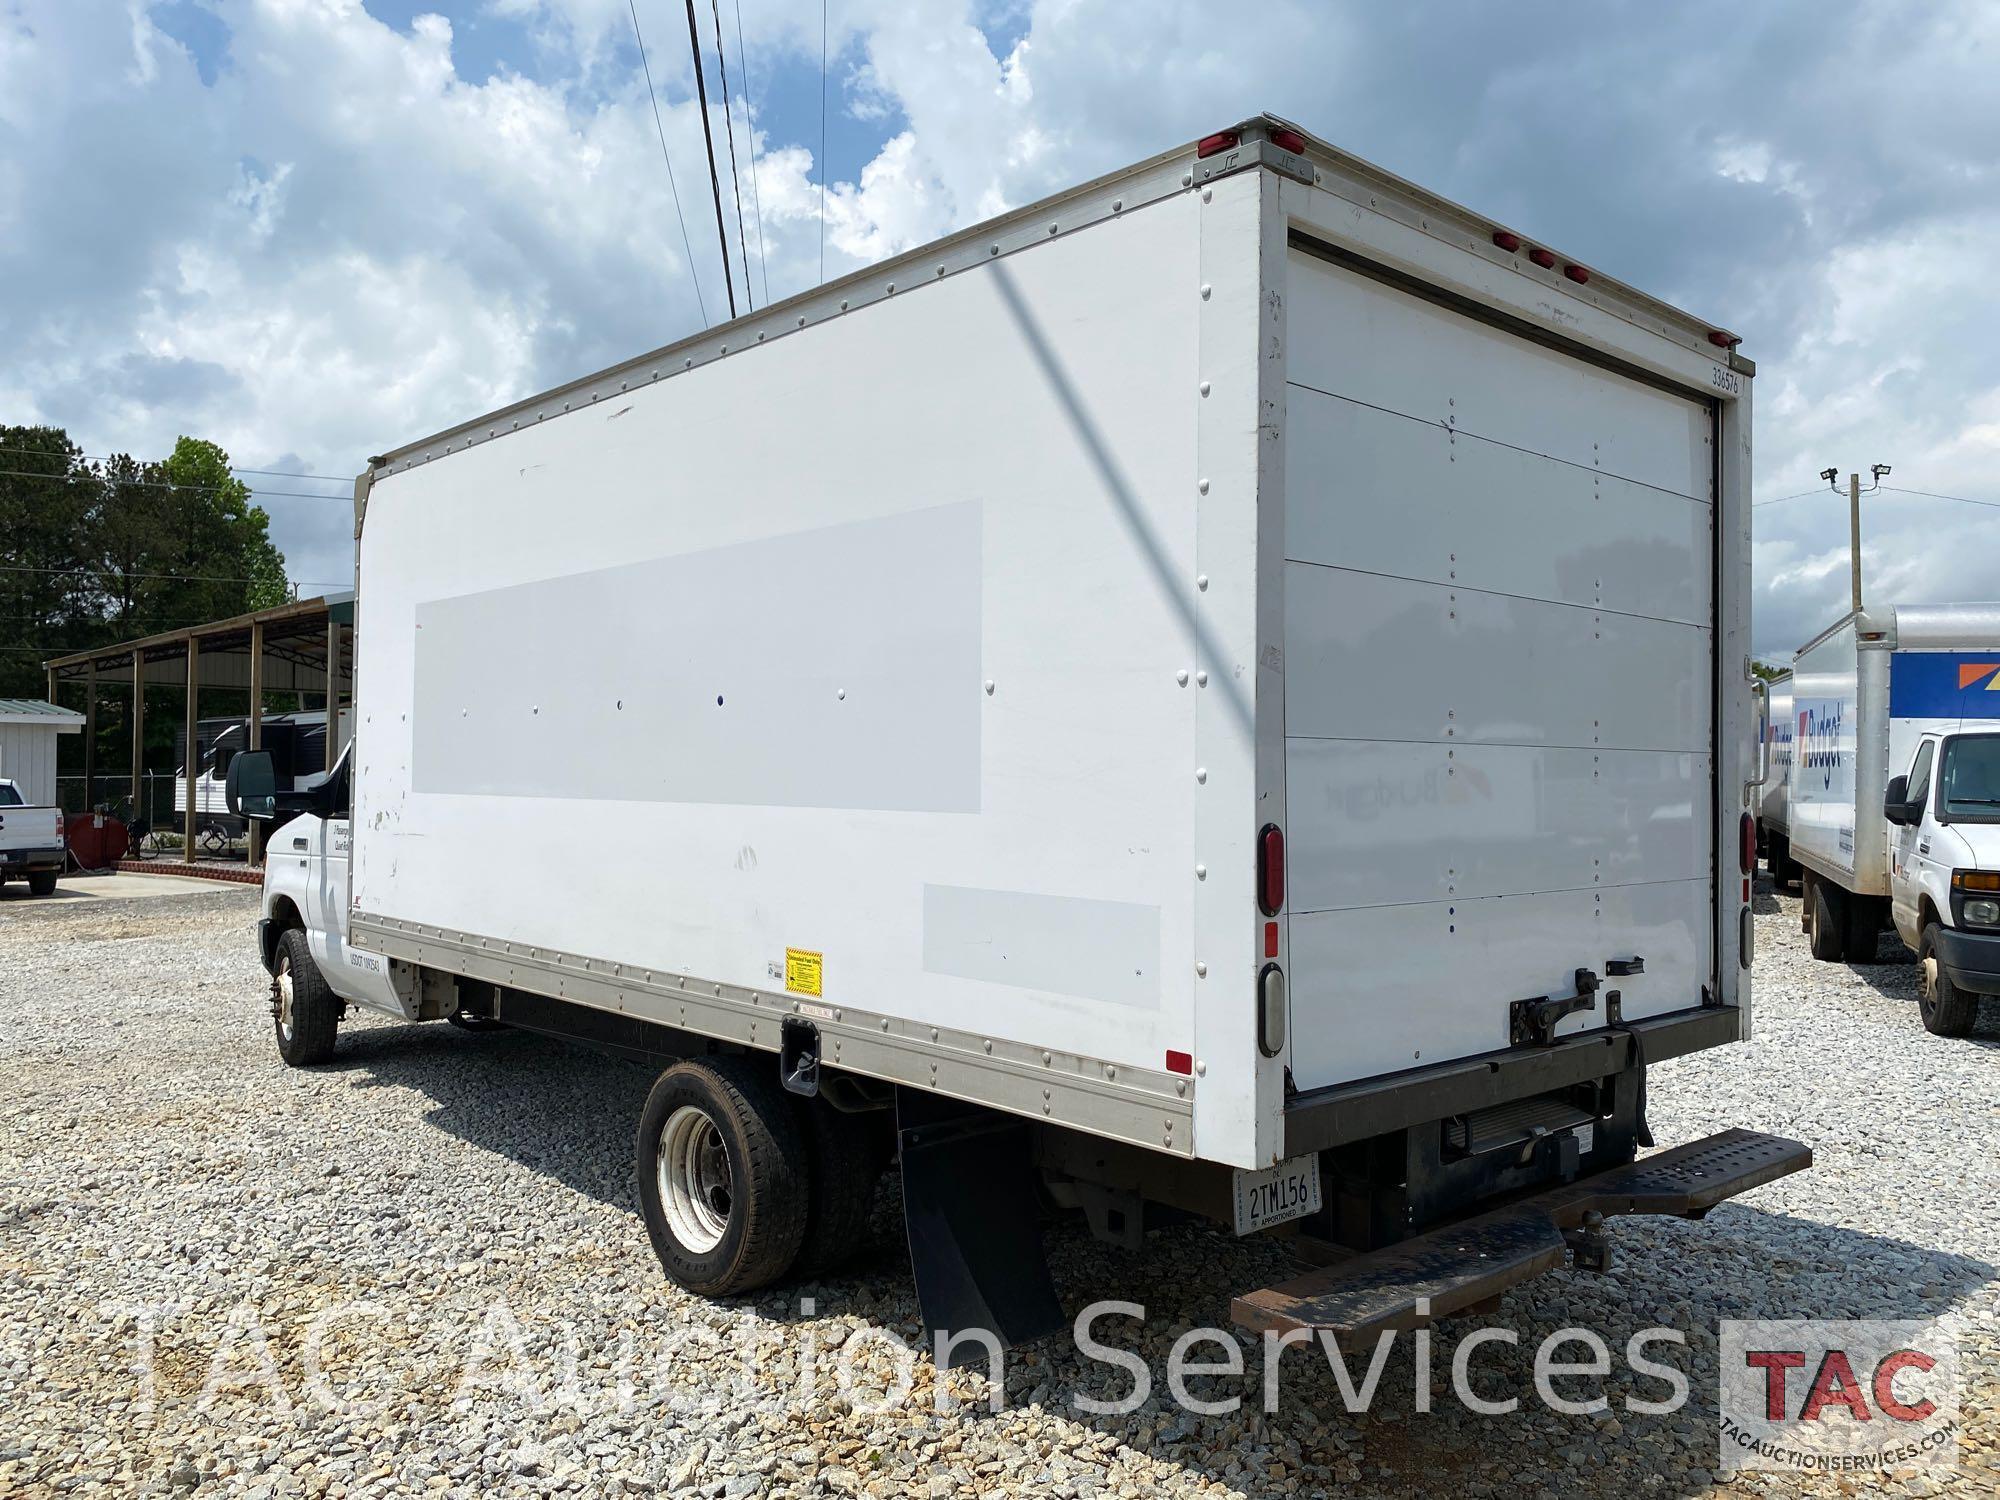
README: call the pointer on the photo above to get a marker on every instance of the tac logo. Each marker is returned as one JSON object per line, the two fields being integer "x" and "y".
{"x": 1838, "y": 1397}
{"x": 1974, "y": 672}
{"x": 1819, "y": 732}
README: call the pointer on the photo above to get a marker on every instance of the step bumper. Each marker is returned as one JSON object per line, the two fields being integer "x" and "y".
{"x": 1454, "y": 1269}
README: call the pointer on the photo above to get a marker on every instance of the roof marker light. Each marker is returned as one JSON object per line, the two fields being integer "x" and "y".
{"x": 1576, "y": 273}
{"x": 1222, "y": 140}
{"x": 1544, "y": 258}
{"x": 1288, "y": 140}
{"x": 1506, "y": 241}
{"x": 1723, "y": 340}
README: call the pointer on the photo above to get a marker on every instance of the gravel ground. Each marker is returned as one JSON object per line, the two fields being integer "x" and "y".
{"x": 460, "y": 1206}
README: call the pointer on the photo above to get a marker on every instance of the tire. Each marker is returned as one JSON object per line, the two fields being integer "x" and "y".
{"x": 1779, "y": 861}
{"x": 844, "y": 1162}
{"x": 722, "y": 1174}
{"x": 42, "y": 882}
{"x": 1863, "y": 929}
{"x": 1947, "y": 1009}
{"x": 1826, "y": 921}
{"x": 304, "y": 1012}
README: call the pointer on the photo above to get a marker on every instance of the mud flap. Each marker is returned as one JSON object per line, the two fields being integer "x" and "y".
{"x": 1458, "y": 1267}
{"x": 974, "y": 1224}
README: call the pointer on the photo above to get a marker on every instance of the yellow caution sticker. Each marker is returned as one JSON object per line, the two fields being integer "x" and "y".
{"x": 802, "y": 972}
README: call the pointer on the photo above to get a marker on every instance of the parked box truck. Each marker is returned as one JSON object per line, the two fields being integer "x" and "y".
{"x": 1774, "y": 822}
{"x": 1223, "y": 691}
{"x": 1894, "y": 795}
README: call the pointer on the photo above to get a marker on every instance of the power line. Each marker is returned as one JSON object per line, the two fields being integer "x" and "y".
{"x": 161, "y": 484}
{"x": 98, "y": 458}
{"x": 729, "y": 125}
{"x": 672, "y": 186}
{"x": 822, "y": 140}
{"x": 750, "y": 129}
{"x": 708, "y": 137}
{"x": 1780, "y": 500}
{"x": 115, "y": 573}
{"x": 1934, "y": 495}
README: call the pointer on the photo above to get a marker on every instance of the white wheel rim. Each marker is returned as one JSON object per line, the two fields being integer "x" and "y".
{"x": 283, "y": 986}
{"x": 693, "y": 1168}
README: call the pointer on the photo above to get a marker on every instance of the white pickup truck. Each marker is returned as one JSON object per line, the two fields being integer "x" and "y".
{"x": 31, "y": 841}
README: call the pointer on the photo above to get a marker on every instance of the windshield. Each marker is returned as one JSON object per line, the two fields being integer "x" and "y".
{"x": 1970, "y": 785}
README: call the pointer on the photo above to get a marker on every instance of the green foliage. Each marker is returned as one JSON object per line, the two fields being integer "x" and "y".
{"x": 1765, "y": 671}
{"x": 94, "y": 553}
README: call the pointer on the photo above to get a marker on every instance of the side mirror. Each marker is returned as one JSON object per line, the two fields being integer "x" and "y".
{"x": 1896, "y": 804}
{"x": 251, "y": 789}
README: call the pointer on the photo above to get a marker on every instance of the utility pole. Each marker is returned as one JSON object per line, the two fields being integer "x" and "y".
{"x": 1854, "y": 494}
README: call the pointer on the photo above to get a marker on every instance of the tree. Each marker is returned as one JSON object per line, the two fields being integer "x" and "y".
{"x": 93, "y": 552}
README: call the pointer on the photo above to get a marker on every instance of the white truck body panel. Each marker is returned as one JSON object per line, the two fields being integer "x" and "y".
{"x": 1198, "y": 532}
{"x": 1864, "y": 692}
{"x": 1499, "y": 692}
{"x": 1780, "y": 729}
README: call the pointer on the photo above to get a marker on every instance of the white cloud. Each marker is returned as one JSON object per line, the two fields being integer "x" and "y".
{"x": 344, "y": 241}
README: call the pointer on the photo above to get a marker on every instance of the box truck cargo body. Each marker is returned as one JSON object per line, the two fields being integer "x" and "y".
{"x": 1898, "y": 695}
{"x": 1774, "y": 824}
{"x": 1225, "y": 689}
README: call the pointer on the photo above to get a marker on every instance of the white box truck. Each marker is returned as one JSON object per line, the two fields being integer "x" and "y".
{"x": 1895, "y": 795}
{"x": 1774, "y": 822}
{"x": 1224, "y": 691}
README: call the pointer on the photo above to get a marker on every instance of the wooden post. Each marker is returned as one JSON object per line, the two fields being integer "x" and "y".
{"x": 89, "y": 732}
{"x": 191, "y": 762}
{"x": 139, "y": 809}
{"x": 256, "y": 854}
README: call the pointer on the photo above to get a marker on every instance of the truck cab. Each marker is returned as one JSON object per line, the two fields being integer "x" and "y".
{"x": 1943, "y": 809}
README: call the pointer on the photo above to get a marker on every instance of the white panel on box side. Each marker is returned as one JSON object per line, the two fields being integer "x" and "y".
{"x": 1780, "y": 730}
{"x": 864, "y": 642}
{"x": 1827, "y": 715}
{"x": 1499, "y": 679}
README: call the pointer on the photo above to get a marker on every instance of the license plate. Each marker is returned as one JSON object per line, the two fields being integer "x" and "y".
{"x": 1290, "y": 1190}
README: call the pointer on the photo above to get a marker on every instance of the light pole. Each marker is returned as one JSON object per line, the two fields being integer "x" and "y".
{"x": 1854, "y": 494}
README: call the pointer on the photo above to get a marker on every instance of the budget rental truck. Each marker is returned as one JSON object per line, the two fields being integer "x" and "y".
{"x": 1894, "y": 795}
{"x": 1222, "y": 692}
{"x": 1774, "y": 818}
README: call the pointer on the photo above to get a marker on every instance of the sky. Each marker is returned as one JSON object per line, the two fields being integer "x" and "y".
{"x": 312, "y": 230}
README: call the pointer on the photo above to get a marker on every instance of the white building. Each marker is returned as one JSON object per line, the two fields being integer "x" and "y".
{"x": 28, "y": 730}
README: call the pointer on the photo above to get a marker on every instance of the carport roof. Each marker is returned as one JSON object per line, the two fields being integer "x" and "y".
{"x": 294, "y": 632}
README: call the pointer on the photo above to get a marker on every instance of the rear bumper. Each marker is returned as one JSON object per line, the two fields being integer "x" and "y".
{"x": 21, "y": 861}
{"x": 1355, "y": 1111}
{"x": 1460, "y": 1266}
{"x": 1970, "y": 960}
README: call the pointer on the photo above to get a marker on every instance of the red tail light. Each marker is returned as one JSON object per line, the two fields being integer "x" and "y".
{"x": 1288, "y": 140}
{"x": 1222, "y": 140}
{"x": 1271, "y": 870}
{"x": 1749, "y": 849}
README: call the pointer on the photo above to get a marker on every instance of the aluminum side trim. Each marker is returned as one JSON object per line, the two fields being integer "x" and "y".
{"x": 1137, "y": 1105}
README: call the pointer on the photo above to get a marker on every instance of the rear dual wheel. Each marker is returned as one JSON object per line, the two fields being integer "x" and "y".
{"x": 741, "y": 1183}
{"x": 1842, "y": 927}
